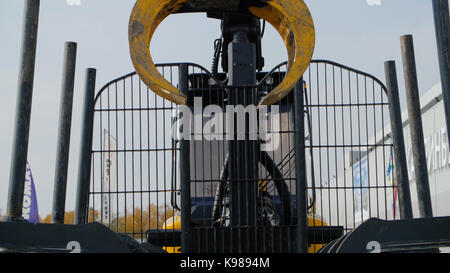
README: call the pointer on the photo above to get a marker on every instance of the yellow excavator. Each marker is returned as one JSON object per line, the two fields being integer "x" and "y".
{"x": 174, "y": 223}
{"x": 258, "y": 201}
{"x": 292, "y": 20}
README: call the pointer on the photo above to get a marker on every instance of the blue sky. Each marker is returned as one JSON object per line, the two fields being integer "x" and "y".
{"x": 351, "y": 32}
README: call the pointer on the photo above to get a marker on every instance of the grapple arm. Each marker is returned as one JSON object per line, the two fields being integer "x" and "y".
{"x": 291, "y": 18}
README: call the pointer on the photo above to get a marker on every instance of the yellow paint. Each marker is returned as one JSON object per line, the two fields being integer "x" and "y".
{"x": 171, "y": 249}
{"x": 291, "y": 18}
{"x": 315, "y": 221}
{"x": 262, "y": 185}
{"x": 293, "y": 21}
{"x": 145, "y": 18}
{"x": 175, "y": 223}
{"x": 314, "y": 248}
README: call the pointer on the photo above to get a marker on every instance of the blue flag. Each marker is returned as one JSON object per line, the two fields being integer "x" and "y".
{"x": 30, "y": 207}
{"x": 391, "y": 162}
{"x": 388, "y": 172}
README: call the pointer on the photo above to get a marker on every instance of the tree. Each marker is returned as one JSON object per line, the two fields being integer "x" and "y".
{"x": 46, "y": 220}
{"x": 93, "y": 215}
{"x": 69, "y": 217}
{"x": 136, "y": 222}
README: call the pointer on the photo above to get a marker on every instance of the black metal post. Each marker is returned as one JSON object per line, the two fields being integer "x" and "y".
{"x": 300, "y": 169}
{"x": 243, "y": 153}
{"x": 23, "y": 110}
{"x": 415, "y": 126}
{"x": 185, "y": 170}
{"x": 398, "y": 141}
{"x": 442, "y": 26}
{"x": 65, "y": 123}
{"x": 84, "y": 165}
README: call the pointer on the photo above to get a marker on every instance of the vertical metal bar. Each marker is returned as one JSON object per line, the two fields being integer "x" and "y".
{"x": 84, "y": 164}
{"x": 442, "y": 26}
{"x": 243, "y": 165}
{"x": 185, "y": 171}
{"x": 416, "y": 128}
{"x": 401, "y": 167}
{"x": 23, "y": 110}
{"x": 65, "y": 123}
{"x": 300, "y": 169}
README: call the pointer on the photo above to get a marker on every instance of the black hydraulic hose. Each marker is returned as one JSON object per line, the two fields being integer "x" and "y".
{"x": 277, "y": 176}
{"x": 216, "y": 56}
{"x": 282, "y": 188}
{"x": 290, "y": 155}
{"x": 220, "y": 190}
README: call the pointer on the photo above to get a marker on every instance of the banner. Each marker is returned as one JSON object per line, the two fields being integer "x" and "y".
{"x": 390, "y": 173}
{"x": 109, "y": 176}
{"x": 361, "y": 184}
{"x": 30, "y": 206}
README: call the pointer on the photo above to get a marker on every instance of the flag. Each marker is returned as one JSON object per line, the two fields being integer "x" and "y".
{"x": 30, "y": 206}
{"x": 109, "y": 177}
{"x": 390, "y": 172}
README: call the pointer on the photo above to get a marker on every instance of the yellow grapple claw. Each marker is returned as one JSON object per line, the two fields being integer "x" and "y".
{"x": 291, "y": 18}
{"x": 293, "y": 21}
{"x": 145, "y": 18}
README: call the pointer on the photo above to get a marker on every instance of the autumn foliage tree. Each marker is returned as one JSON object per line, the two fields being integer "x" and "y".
{"x": 140, "y": 221}
{"x": 136, "y": 222}
{"x": 69, "y": 217}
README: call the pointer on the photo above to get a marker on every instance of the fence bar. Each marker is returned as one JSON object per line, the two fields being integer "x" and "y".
{"x": 442, "y": 26}
{"x": 185, "y": 170}
{"x": 65, "y": 122}
{"x": 23, "y": 110}
{"x": 416, "y": 128}
{"x": 401, "y": 167}
{"x": 300, "y": 169}
{"x": 243, "y": 154}
{"x": 84, "y": 164}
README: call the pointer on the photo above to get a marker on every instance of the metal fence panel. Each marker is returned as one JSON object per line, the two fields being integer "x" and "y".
{"x": 135, "y": 176}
